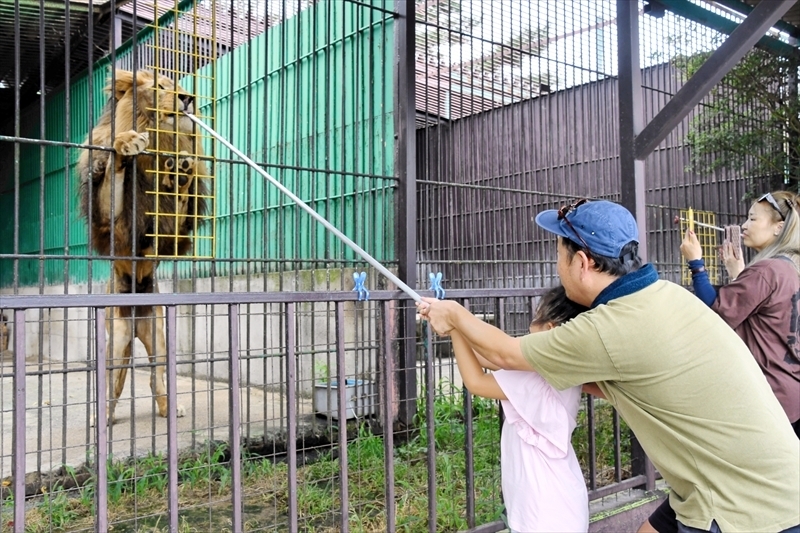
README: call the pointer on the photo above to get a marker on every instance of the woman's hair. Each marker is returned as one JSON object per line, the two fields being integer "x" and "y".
{"x": 555, "y": 307}
{"x": 787, "y": 243}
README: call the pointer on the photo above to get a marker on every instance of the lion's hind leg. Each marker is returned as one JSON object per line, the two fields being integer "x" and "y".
{"x": 119, "y": 345}
{"x": 150, "y": 330}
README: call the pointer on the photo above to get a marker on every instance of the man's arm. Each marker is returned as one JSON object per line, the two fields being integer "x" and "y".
{"x": 485, "y": 363}
{"x": 498, "y": 348}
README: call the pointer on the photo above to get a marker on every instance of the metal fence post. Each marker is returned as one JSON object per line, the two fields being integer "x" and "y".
{"x": 235, "y": 417}
{"x": 101, "y": 421}
{"x": 18, "y": 444}
{"x": 631, "y": 116}
{"x": 406, "y": 216}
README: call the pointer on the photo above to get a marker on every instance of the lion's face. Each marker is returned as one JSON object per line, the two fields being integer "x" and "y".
{"x": 160, "y": 97}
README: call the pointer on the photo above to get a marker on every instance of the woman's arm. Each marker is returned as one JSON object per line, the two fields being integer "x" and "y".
{"x": 475, "y": 379}
{"x": 693, "y": 253}
{"x": 700, "y": 282}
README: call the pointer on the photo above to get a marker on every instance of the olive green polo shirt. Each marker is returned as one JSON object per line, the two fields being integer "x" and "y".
{"x": 700, "y": 406}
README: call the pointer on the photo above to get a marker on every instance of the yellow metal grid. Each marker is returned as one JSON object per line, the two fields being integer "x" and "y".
{"x": 709, "y": 242}
{"x": 180, "y": 47}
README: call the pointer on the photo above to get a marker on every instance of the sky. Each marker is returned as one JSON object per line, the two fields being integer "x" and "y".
{"x": 582, "y": 37}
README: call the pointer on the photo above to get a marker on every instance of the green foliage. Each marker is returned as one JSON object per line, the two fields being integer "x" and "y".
{"x": 60, "y": 509}
{"x": 152, "y": 470}
{"x": 131, "y": 477}
{"x": 121, "y": 479}
{"x": 85, "y": 492}
{"x": 750, "y": 124}
{"x": 449, "y": 442}
{"x": 207, "y": 467}
{"x": 604, "y": 442}
{"x": 55, "y": 511}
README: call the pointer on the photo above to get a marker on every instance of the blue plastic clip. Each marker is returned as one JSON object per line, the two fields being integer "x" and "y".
{"x": 436, "y": 285}
{"x": 359, "y": 278}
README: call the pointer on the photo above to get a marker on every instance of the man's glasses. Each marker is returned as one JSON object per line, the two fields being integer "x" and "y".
{"x": 562, "y": 215}
{"x": 772, "y": 201}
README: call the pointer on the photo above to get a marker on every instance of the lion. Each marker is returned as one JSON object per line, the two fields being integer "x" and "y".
{"x": 3, "y": 334}
{"x": 161, "y": 154}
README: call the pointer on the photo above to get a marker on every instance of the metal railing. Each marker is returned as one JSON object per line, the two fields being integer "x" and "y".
{"x": 508, "y": 308}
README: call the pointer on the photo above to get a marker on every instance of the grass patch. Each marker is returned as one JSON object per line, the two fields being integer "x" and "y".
{"x": 137, "y": 488}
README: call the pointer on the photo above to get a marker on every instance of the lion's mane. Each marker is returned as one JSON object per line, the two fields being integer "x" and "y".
{"x": 151, "y": 100}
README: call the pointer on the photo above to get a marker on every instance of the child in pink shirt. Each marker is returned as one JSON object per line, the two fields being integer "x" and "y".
{"x": 543, "y": 485}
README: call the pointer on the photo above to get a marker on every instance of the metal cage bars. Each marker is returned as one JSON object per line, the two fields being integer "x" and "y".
{"x": 391, "y": 304}
{"x": 289, "y": 301}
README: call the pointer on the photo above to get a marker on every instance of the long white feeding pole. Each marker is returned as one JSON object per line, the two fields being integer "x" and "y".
{"x": 696, "y": 223}
{"x": 342, "y": 237}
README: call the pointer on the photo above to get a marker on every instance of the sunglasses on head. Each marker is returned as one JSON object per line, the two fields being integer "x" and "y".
{"x": 562, "y": 215}
{"x": 773, "y": 202}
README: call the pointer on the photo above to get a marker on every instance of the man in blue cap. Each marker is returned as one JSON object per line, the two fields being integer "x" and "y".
{"x": 682, "y": 379}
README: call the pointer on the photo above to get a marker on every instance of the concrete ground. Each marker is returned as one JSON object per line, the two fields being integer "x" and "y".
{"x": 57, "y": 417}
{"x": 58, "y": 412}
{"x": 624, "y": 511}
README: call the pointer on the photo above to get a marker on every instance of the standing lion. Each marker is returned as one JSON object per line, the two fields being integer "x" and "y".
{"x": 143, "y": 199}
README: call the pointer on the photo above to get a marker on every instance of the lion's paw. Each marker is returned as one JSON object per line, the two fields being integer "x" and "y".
{"x": 184, "y": 170}
{"x": 131, "y": 142}
{"x": 180, "y": 411}
{"x": 109, "y": 420}
{"x": 99, "y": 163}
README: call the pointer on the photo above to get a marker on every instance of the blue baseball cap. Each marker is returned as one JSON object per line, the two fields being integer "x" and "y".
{"x": 605, "y": 227}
